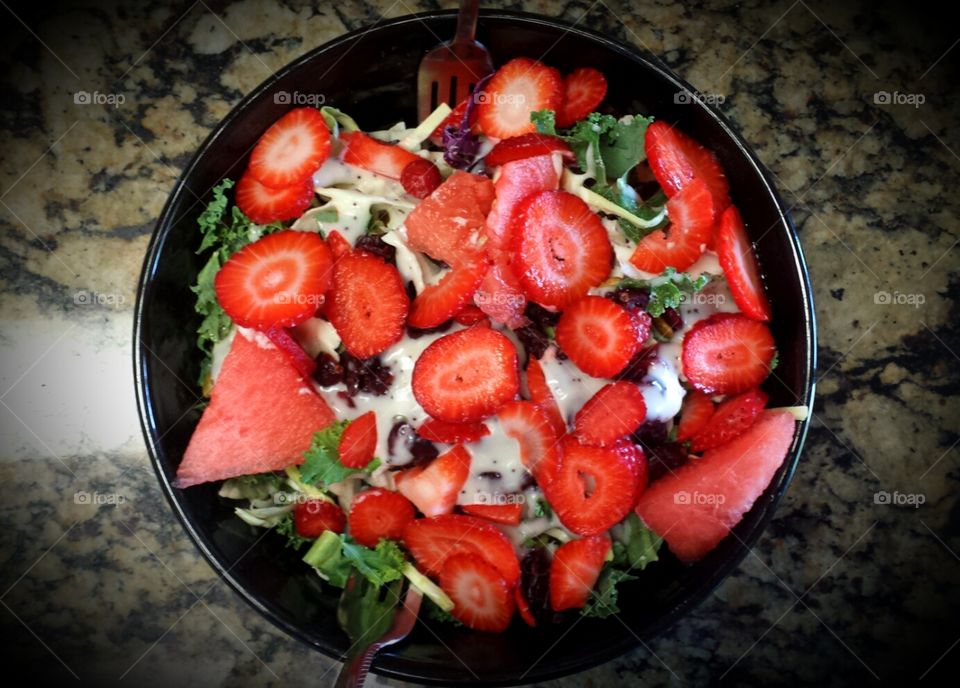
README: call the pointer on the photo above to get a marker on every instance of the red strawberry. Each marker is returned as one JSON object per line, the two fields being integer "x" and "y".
{"x": 732, "y": 418}
{"x": 470, "y": 315}
{"x": 499, "y": 294}
{"x": 691, "y": 213}
{"x": 598, "y": 335}
{"x": 291, "y": 150}
{"x": 740, "y": 265}
{"x": 518, "y": 88}
{"x": 277, "y": 281}
{"x": 508, "y": 514}
{"x": 483, "y": 600}
{"x": 523, "y": 607}
{"x": 368, "y": 303}
{"x": 359, "y": 441}
{"x": 420, "y": 177}
{"x": 697, "y": 409}
{"x": 454, "y": 119}
{"x": 378, "y": 513}
{"x": 592, "y": 487}
{"x": 529, "y": 424}
{"x": 338, "y": 245}
{"x": 466, "y": 376}
{"x": 517, "y": 180}
{"x": 434, "y": 488}
{"x": 541, "y": 394}
{"x": 440, "y": 301}
{"x": 612, "y": 413}
{"x": 676, "y": 159}
{"x": 574, "y": 571}
{"x": 386, "y": 159}
{"x": 299, "y": 359}
{"x": 263, "y": 204}
{"x": 562, "y": 249}
{"x": 526, "y": 146}
{"x": 727, "y": 353}
{"x": 432, "y": 540}
{"x": 583, "y": 90}
{"x": 452, "y": 433}
{"x": 313, "y": 517}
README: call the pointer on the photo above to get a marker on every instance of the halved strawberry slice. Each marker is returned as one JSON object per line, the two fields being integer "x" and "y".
{"x": 277, "y": 281}
{"x": 434, "y": 488}
{"x": 298, "y": 358}
{"x": 740, "y": 266}
{"x": 727, "y": 353}
{"x": 432, "y": 540}
{"x": 382, "y": 158}
{"x": 583, "y": 90}
{"x": 517, "y": 181}
{"x": 508, "y": 514}
{"x": 526, "y": 146}
{"x": 593, "y": 487}
{"x": 541, "y": 394}
{"x": 368, "y": 303}
{"x": 378, "y": 513}
{"x": 291, "y": 150}
{"x": 420, "y": 178}
{"x": 598, "y": 335}
{"x": 482, "y": 598}
{"x": 676, "y": 159}
{"x": 574, "y": 571}
{"x": 470, "y": 315}
{"x": 314, "y": 516}
{"x": 732, "y": 418}
{"x": 518, "y": 88}
{"x": 440, "y": 301}
{"x": 562, "y": 248}
{"x": 338, "y": 245}
{"x": 697, "y": 409}
{"x": 523, "y": 607}
{"x": 612, "y": 413}
{"x": 691, "y": 213}
{"x": 452, "y": 433}
{"x": 359, "y": 441}
{"x": 466, "y": 376}
{"x": 529, "y": 424}
{"x": 264, "y": 204}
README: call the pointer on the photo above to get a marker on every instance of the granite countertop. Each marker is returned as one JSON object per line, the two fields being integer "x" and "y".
{"x": 842, "y": 587}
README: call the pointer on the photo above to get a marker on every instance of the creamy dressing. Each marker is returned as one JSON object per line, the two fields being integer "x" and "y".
{"x": 571, "y": 387}
{"x": 495, "y": 453}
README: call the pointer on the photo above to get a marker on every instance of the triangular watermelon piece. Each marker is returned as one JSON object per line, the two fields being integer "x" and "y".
{"x": 695, "y": 507}
{"x": 261, "y": 416}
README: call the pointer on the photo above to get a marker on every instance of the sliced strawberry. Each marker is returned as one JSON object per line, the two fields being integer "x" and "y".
{"x": 482, "y": 598}
{"x": 697, "y": 409}
{"x": 452, "y": 433}
{"x": 277, "y": 281}
{"x": 264, "y": 204}
{"x": 541, "y": 394}
{"x": 691, "y": 214}
{"x": 298, "y": 358}
{"x": 740, "y": 266}
{"x": 454, "y": 119}
{"x": 500, "y": 295}
{"x": 368, "y": 303}
{"x": 466, "y": 376}
{"x": 434, "y": 488}
{"x": 727, "y": 353}
{"x": 529, "y": 424}
{"x": 583, "y": 91}
{"x": 523, "y": 607}
{"x": 526, "y": 146}
{"x": 432, "y": 540}
{"x": 517, "y": 180}
{"x": 313, "y": 517}
{"x": 598, "y": 335}
{"x": 593, "y": 487}
{"x": 612, "y": 413}
{"x": 732, "y": 418}
{"x": 291, "y": 150}
{"x": 508, "y": 514}
{"x": 338, "y": 245}
{"x": 574, "y": 571}
{"x": 470, "y": 315}
{"x": 359, "y": 441}
{"x": 386, "y": 159}
{"x": 518, "y": 88}
{"x": 562, "y": 248}
{"x": 378, "y": 513}
{"x": 440, "y": 301}
{"x": 420, "y": 178}
{"x": 676, "y": 159}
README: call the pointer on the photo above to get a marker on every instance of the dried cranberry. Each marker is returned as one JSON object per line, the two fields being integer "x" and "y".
{"x": 534, "y": 340}
{"x": 673, "y": 319}
{"x": 651, "y": 434}
{"x": 371, "y": 243}
{"x": 540, "y": 316}
{"x": 369, "y": 375}
{"x": 636, "y": 369}
{"x": 535, "y": 584}
{"x": 329, "y": 371}
{"x": 403, "y": 441}
{"x": 666, "y": 458}
{"x": 631, "y": 298}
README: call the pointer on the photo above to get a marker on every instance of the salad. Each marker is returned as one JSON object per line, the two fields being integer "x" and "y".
{"x": 504, "y": 355}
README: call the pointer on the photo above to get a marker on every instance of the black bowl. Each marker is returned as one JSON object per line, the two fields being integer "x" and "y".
{"x": 371, "y": 75}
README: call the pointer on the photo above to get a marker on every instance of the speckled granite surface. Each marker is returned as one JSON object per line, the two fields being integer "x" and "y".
{"x": 840, "y": 589}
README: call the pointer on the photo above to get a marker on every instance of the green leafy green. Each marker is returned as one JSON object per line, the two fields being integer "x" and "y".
{"x": 288, "y": 528}
{"x": 335, "y": 557}
{"x": 622, "y": 147}
{"x": 603, "y": 598}
{"x": 327, "y": 215}
{"x": 366, "y": 610}
{"x": 322, "y": 460}
{"x": 432, "y": 611}
{"x": 255, "y": 486}
{"x": 637, "y": 545}
{"x": 775, "y": 361}
{"x": 337, "y": 120}
{"x": 669, "y": 290}
{"x": 542, "y": 509}
{"x": 545, "y": 121}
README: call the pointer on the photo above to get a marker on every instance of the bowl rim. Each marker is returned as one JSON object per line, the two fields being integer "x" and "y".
{"x": 392, "y": 667}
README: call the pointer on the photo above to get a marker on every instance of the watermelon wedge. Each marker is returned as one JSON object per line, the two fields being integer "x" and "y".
{"x": 694, "y": 508}
{"x": 261, "y": 416}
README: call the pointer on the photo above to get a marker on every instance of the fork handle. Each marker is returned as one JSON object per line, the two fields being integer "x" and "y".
{"x": 467, "y": 21}
{"x": 354, "y": 672}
